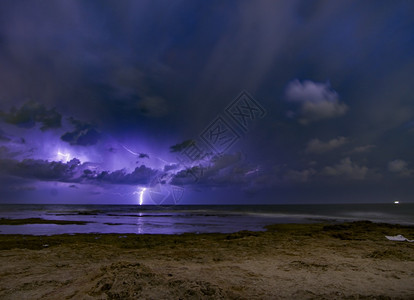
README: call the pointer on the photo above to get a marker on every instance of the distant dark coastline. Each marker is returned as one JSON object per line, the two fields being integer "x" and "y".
{"x": 4, "y": 221}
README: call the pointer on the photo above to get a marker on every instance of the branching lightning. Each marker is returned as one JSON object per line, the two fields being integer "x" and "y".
{"x": 140, "y": 154}
{"x": 66, "y": 156}
{"x": 252, "y": 171}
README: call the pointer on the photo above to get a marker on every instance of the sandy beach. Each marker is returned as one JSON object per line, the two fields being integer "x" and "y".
{"x": 299, "y": 261}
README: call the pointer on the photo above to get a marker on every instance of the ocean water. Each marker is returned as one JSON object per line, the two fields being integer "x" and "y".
{"x": 178, "y": 219}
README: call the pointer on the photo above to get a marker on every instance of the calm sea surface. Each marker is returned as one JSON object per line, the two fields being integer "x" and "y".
{"x": 195, "y": 219}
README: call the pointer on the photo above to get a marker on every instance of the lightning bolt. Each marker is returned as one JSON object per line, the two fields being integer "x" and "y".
{"x": 140, "y": 193}
{"x": 137, "y": 154}
{"x": 130, "y": 151}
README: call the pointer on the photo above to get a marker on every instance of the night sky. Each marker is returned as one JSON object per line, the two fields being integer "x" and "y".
{"x": 206, "y": 102}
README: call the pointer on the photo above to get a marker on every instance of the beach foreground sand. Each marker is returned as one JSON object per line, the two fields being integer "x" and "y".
{"x": 318, "y": 261}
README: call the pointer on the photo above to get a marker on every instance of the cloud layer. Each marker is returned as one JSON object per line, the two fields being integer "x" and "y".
{"x": 115, "y": 84}
{"x": 316, "y": 101}
{"x": 348, "y": 169}
{"x": 84, "y": 134}
{"x": 318, "y": 146}
{"x": 31, "y": 113}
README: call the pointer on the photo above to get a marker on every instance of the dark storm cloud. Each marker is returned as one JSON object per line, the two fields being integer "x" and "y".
{"x": 316, "y": 101}
{"x": 400, "y": 167}
{"x": 317, "y": 146}
{"x": 141, "y": 175}
{"x": 75, "y": 64}
{"x": 40, "y": 169}
{"x": 363, "y": 149}
{"x": 181, "y": 146}
{"x": 31, "y": 113}
{"x": 85, "y": 134}
{"x": 299, "y": 175}
{"x": 3, "y": 136}
{"x": 153, "y": 106}
{"x": 72, "y": 171}
{"x": 224, "y": 170}
{"x": 347, "y": 169}
{"x": 170, "y": 167}
{"x": 114, "y": 66}
{"x": 6, "y": 153}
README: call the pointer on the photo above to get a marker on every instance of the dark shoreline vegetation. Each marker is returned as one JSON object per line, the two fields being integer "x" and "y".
{"x": 5, "y": 221}
{"x": 359, "y": 231}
